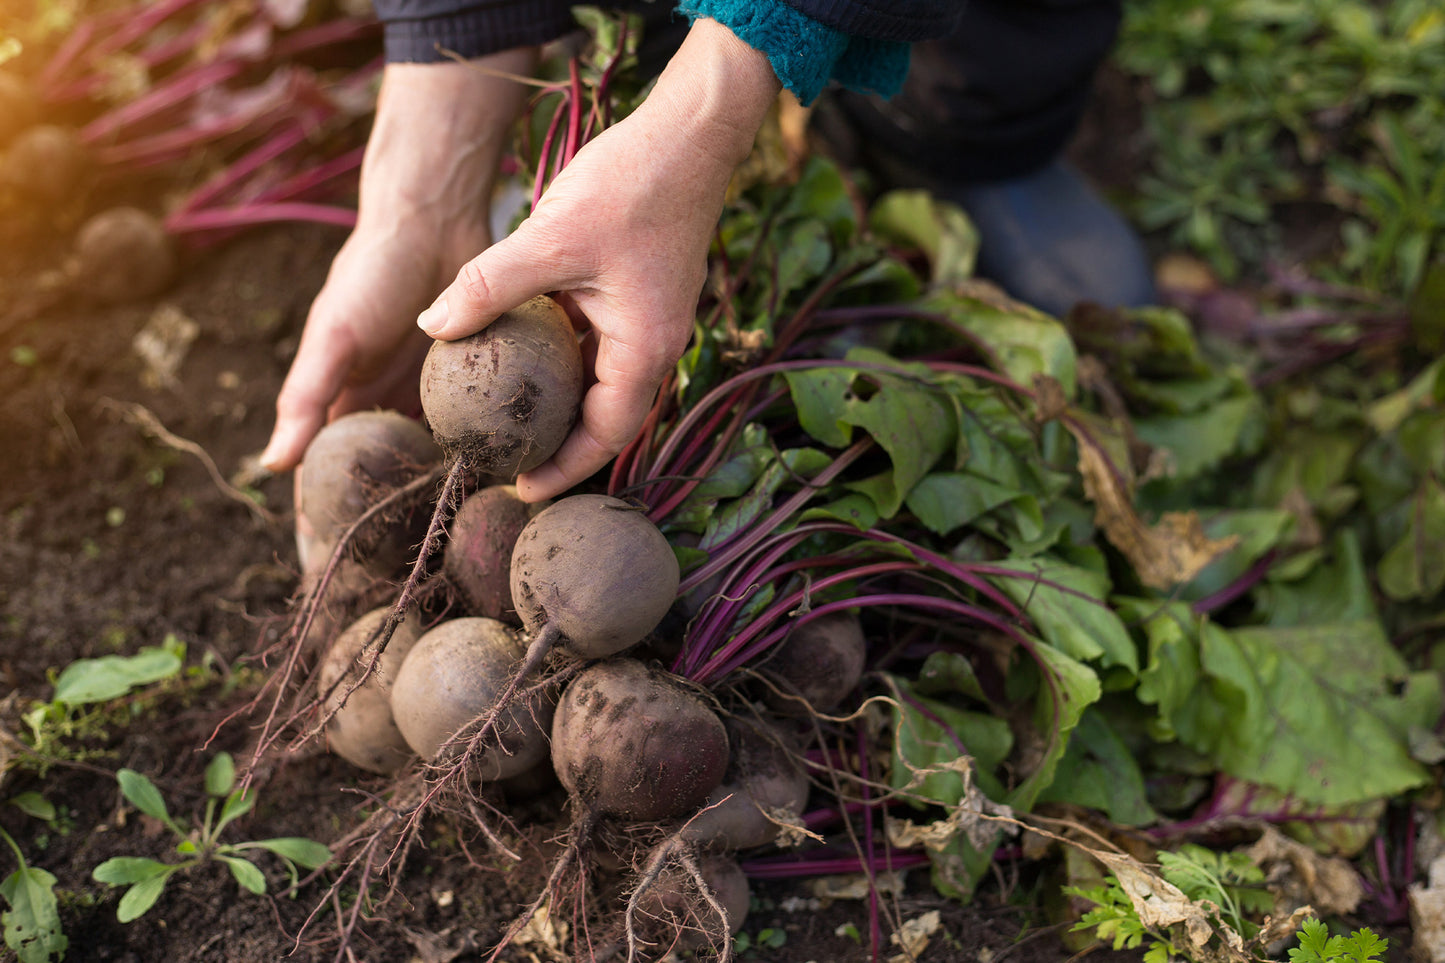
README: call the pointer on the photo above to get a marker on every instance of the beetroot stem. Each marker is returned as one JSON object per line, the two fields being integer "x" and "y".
{"x": 726, "y": 555}
{"x": 177, "y": 90}
{"x": 215, "y": 188}
{"x": 248, "y": 215}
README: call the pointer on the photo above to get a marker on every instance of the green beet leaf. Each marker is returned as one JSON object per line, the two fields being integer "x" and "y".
{"x": 1099, "y": 771}
{"x": 1309, "y": 710}
{"x": 942, "y": 231}
{"x": 86, "y": 681}
{"x": 1414, "y": 567}
{"x": 1026, "y": 342}
{"x": 1068, "y": 606}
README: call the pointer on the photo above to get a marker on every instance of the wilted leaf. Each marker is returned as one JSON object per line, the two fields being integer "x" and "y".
{"x": 1173, "y": 550}
{"x": 1161, "y": 905}
{"x": 1302, "y": 877}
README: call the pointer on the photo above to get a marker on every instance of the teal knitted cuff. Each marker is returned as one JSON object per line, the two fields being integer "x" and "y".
{"x": 806, "y": 54}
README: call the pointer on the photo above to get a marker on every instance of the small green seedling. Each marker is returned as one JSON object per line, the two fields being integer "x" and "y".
{"x": 1316, "y": 945}
{"x": 82, "y": 689}
{"x": 146, "y": 878}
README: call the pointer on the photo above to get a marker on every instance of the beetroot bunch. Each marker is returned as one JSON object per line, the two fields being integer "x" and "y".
{"x": 532, "y": 639}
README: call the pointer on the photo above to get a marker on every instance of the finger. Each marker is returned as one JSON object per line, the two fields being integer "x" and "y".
{"x": 509, "y": 272}
{"x": 314, "y": 381}
{"x": 611, "y": 417}
{"x": 396, "y": 386}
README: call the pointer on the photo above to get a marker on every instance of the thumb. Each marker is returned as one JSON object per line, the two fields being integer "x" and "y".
{"x": 500, "y": 278}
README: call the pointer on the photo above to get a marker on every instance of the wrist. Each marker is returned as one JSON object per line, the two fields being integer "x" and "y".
{"x": 439, "y": 135}
{"x": 715, "y": 93}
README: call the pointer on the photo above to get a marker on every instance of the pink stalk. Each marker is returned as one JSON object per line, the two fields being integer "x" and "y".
{"x": 136, "y": 25}
{"x": 574, "y": 114}
{"x": 175, "y": 91}
{"x": 544, "y": 156}
{"x": 325, "y": 34}
{"x": 308, "y": 180}
{"x": 71, "y": 48}
{"x": 219, "y": 185}
{"x": 733, "y": 657}
{"x": 179, "y": 144}
{"x": 727, "y": 554}
{"x": 151, "y": 57}
{"x": 737, "y": 651}
{"x": 819, "y": 818}
{"x": 792, "y": 867}
{"x": 188, "y": 83}
{"x": 253, "y": 214}
{"x": 875, "y": 931}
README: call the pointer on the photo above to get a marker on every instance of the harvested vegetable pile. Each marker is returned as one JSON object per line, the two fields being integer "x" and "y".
{"x": 950, "y": 569}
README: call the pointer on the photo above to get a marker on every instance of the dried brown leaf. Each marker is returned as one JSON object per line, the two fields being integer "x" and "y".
{"x": 1166, "y": 554}
{"x": 1299, "y": 876}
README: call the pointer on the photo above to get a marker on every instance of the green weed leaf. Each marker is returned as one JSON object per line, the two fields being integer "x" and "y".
{"x": 251, "y": 879}
{"x": 220, "y": 775}
{"x": 238, "y": 804}
{"x": 109, "y": 677}
{"x": 143, "y": 795}
{"x": 306, "y": 853}
{"x": 140, "y": 898}
{"x": 124, "y": 870}
{"x": 32, "y": 923}
{"x": 34, "y": 804}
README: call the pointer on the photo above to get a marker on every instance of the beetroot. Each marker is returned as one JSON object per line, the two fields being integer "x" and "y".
{"x": 478, "y": 557}
{"x": 452, "y": 676}
{"x": 349, "y": 466}
{"x": 19, "y": 107}
{"x": 45, "y": 164}
{"x": 820, "y": 662}
{"x": 595, "y": 570}
{"x": 123, "y": 254}
{"x": 502, "y": 400}
{"x": 763, "y": 788}
{"x": 634, "y": 741}
{"x": 674, "y": 907}
{"x": 362, "y": 730}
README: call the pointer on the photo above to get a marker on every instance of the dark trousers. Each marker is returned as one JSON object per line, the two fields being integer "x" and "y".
{"x": 999, "y": 98}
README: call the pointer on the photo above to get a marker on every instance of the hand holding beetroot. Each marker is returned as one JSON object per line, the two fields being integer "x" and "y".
{"x": 623, "y": 232}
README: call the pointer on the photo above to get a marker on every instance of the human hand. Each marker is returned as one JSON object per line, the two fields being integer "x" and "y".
{"x": 623, "y": 234}
{"x": 426, "y": 183}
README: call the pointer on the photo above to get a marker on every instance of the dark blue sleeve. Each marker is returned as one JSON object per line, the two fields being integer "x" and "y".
{"x": 422, "y": 31}
{"x": 907, "y": 21}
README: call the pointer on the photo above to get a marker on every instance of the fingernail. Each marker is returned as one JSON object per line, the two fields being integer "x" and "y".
{"x": 434, "y": 318}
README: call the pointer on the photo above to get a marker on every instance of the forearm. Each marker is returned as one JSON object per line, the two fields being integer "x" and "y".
{"x": 439, "y": 135}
